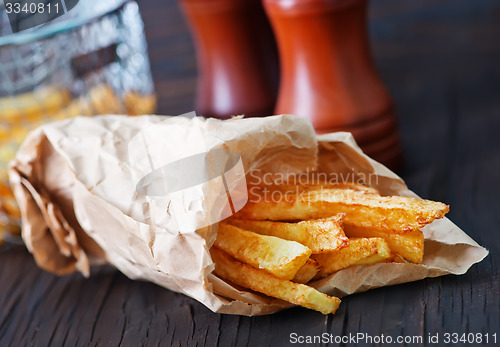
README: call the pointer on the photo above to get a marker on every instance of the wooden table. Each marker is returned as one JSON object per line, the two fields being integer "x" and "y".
{"x": 441, "y": 61}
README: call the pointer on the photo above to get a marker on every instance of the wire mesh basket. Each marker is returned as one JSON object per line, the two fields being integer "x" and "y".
{"x": 93, "y": 60}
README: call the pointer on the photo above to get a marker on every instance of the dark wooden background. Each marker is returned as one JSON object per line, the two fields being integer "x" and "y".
{"x": 441, "y": 62}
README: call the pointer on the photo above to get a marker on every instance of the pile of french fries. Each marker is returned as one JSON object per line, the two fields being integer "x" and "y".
{"x": 277, "y": 247}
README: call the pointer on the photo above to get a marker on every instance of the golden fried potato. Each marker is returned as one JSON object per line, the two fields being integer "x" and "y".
{"x": 397, "y": 213}
{"x": 408, "y": 245}
{"x": 279, "y": 257}
{"x": 319, "y": 235}
{"x": 297, "y": 188}
{"x": 103, "y": 100}
{"x": 33, "y": 106}
{"x": 361, "y": 251}
{"x": 306, "y": 272}
{"x": 137, "y": 104}
{"x": 78, "y": 107}
{"x": 265, "y": 283}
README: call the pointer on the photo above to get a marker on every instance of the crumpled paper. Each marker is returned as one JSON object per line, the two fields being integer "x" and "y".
{"x": 76, "y": 184}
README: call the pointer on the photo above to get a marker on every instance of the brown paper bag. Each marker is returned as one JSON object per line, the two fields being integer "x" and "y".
{"x": 77, "y": 182}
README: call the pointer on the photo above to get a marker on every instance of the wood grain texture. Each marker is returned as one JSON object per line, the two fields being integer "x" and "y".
{"x": 441, "y": 62}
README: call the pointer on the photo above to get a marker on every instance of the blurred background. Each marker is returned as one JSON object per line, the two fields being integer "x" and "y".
{"x": 438, "y": 58}
{"x": 91, "y": 60}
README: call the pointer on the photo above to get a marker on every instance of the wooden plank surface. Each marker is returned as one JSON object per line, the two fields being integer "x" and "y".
{"x": 441, "y": 62}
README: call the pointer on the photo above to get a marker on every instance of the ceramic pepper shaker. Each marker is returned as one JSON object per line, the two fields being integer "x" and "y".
{"x": 237, "y": 57}
{"x": 328, "y": 75}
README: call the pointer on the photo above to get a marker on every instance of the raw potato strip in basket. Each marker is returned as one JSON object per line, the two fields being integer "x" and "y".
{"x": 397, "y": 213}
{"x": 408, "y": 245}
{"x": 260, "y": 281}
{"x": 361, "y": 251}
{"x": 319, "y": 235}
{"x": 279, "y": 257}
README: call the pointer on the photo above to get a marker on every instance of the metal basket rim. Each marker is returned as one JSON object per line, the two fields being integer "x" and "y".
{"x": 53, "y": 29}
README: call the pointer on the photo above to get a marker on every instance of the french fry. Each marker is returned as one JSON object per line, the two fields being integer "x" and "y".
{"x": 265, "y": 283}
{"x": 396, "y": 258}
{"x": 408, "y": 245}
{"x": 33, "y": 106}
{"x": 279, "y": 257}
{"x": 361, "y": 251}
{"x": 341, "y": 225}
{"x": 297, "y": 188}
{"x": 401, "y": 214}
{"x": 137, "y": 104}
{"x": 353, "y": 186}
{"x": 306, "y": 272}
{"x": 318, "y": 235}
{"x": 103, "y": 100}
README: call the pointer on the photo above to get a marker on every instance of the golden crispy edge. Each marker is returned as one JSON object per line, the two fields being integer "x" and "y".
{"x": 320, "y": 235}
{"x": 279, "y": 257}
{"x": 401, "y": 214}
{"x": 408, "y": 245}
{"x": 359, "y": 252}
{"x": 297, "y": 188}
{"x": 307, "y": 272}
{"x": 265, "y": 283}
